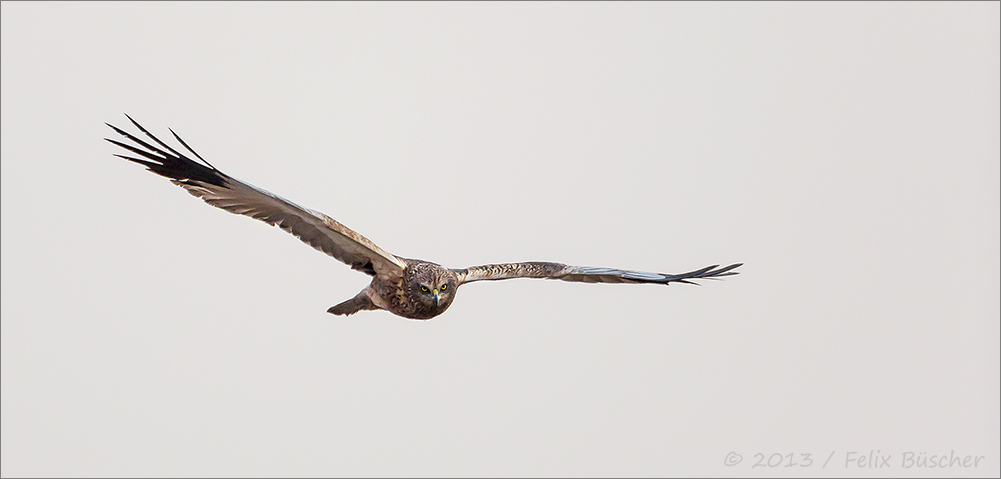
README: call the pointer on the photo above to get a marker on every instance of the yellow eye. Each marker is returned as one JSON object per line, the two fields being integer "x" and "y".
{"x": 443, "y": 287}
{"x": 424, "y": 289}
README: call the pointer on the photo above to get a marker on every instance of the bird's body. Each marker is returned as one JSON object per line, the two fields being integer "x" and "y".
{"x": 410, "y": 288}
{"x": 424, "y": 291}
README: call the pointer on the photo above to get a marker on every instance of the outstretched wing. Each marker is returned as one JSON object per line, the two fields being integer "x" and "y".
{"x": 223, "y": 191}
{"x": 586, "y": 274}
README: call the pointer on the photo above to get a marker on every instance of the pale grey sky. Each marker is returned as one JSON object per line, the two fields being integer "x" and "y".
{"x": 848, "y": 153}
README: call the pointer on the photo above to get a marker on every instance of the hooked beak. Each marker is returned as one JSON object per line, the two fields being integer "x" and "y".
{"x": 436, "y": 296}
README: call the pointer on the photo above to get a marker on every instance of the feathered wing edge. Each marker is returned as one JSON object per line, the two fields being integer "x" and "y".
{"x": 223, "y": 191}
{"x": 587, "y": 274}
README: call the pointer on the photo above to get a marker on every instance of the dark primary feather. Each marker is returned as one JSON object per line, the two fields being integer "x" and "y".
{"x": 223, "y": 191}
{"x": 586, "y": 274}
{"x": 173, "y": 165}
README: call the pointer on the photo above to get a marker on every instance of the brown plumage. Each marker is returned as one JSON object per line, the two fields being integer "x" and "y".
{"x": 410, "y": 288}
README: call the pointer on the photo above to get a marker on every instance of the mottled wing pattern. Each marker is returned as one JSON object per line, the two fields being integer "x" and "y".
{"x": 586, "y": 274}
{"x": 223, "y": 191}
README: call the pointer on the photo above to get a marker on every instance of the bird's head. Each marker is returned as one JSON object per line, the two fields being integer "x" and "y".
{"x": 432, "y": 288}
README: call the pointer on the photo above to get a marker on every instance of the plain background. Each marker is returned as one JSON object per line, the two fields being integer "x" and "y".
{"x": 848, "y": 153}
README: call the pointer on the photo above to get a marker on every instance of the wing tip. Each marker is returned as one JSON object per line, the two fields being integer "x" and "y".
{"x": 173, "y": 164}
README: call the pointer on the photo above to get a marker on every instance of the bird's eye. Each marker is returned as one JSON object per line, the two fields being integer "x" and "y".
{"x": 424, "y": 289}
{"x": 443, "y": 287}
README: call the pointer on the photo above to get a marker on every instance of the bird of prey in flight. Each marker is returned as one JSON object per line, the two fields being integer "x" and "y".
{"x": 411, "y": 288}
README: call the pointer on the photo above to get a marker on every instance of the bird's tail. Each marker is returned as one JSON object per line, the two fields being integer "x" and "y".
{"x": 359, "y": 302}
